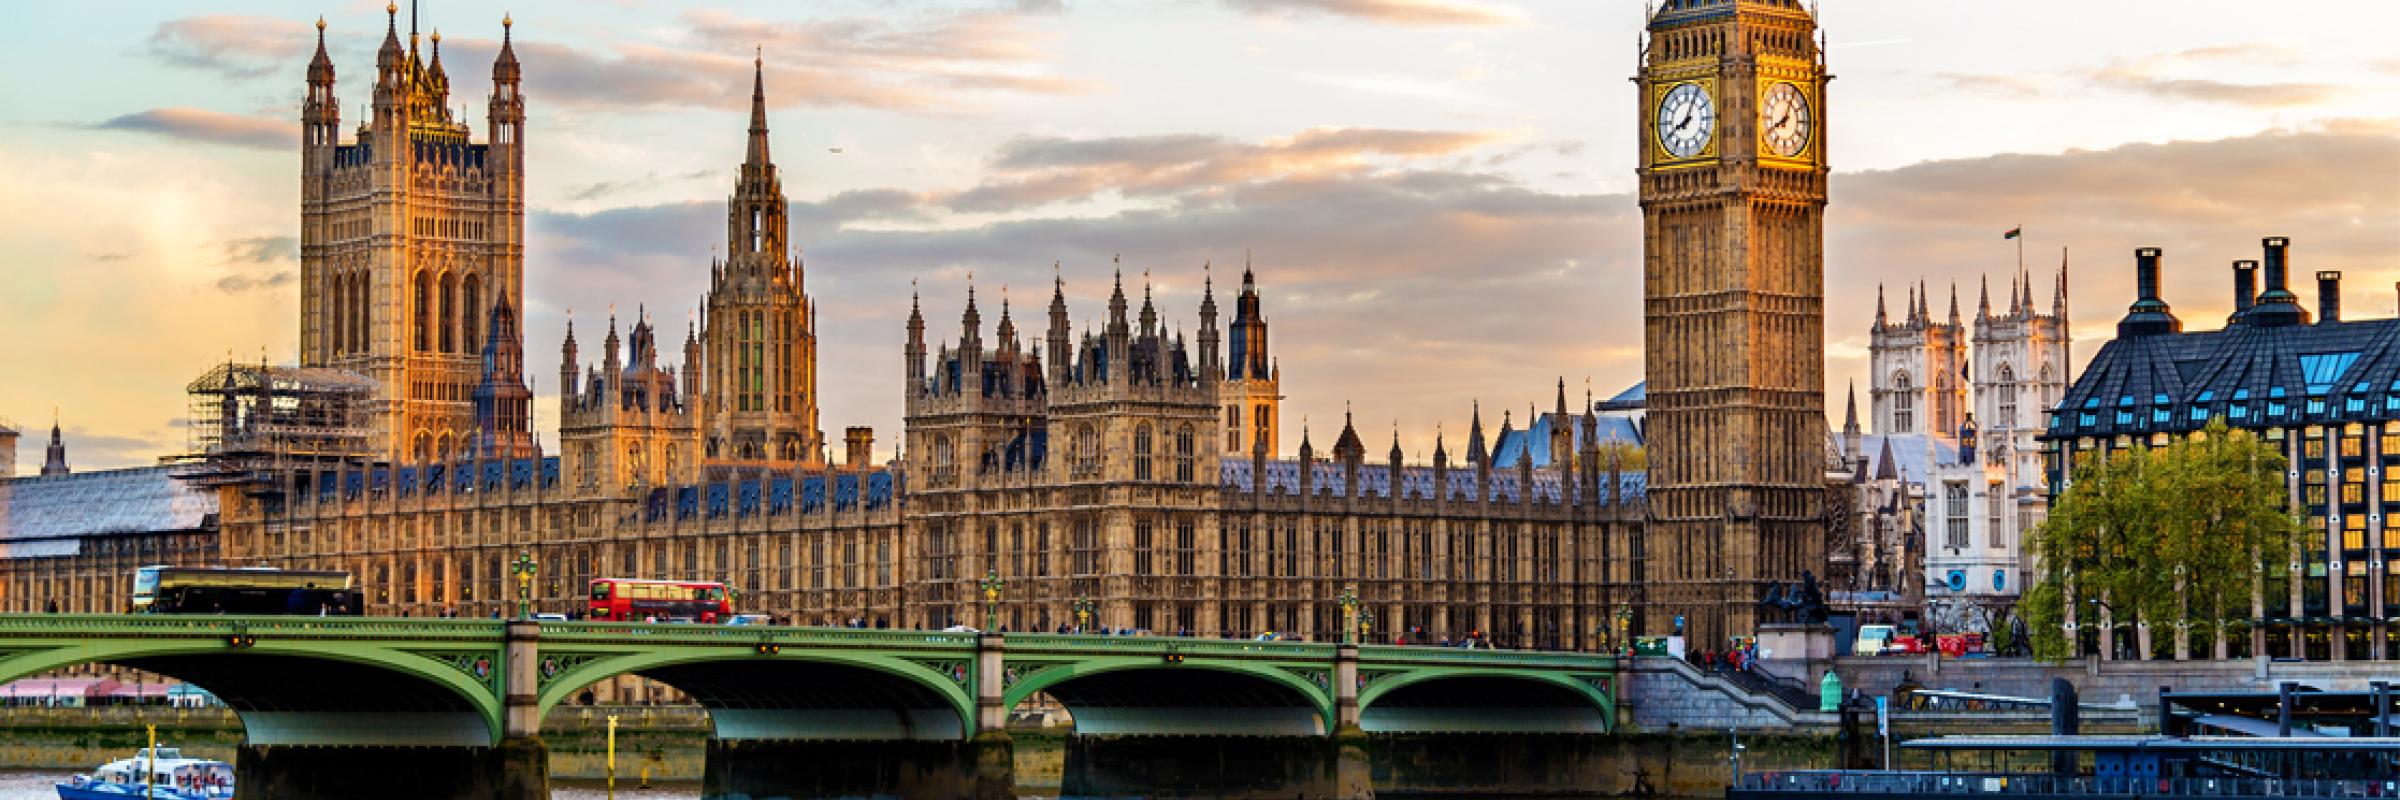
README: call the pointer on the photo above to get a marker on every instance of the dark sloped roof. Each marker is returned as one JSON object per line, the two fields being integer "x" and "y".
{"x": 2252, "y": 375}
{"x": 50, "y": 515}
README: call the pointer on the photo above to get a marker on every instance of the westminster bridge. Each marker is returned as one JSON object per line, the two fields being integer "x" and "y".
{"x": 456, "y": 705}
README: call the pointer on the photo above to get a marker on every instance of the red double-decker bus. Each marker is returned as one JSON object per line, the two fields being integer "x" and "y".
{"x": 631, "y": 600}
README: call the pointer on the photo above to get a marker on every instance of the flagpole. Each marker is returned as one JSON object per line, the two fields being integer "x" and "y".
{"x": 2020, "y": 247}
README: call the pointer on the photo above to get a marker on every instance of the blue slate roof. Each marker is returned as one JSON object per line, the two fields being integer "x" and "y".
{"x": 1515, "y": 445}
{"x": 49, "y": 516}
{"x": 1632, "y": 398}
{"x": 1375, "y": 480}
{"x": 2252, "y": 375}
{"x": 1912, "y": 462}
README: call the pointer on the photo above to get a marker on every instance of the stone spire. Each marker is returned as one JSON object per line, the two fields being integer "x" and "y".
{"x": 55, "y": 461}
{"x": 1879, "y": 315}
{"x": 758, "y": 111}
{"x": 504, "y": 66}
{"x": 1954, "y": 304}
{"x": 1476, "y": 453}
{"x": 1850, "y": 413}
{"x": 1983, "y": 300}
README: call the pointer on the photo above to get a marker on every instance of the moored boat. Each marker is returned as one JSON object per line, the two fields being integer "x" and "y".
{"x": 170, "y": 776}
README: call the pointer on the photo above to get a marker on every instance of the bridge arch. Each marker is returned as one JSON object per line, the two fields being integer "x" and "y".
{"x": 1454, "y": 700}
{"x": 799, "y": 693}
{"x": 1143, "y": 696}
{"x": 300, "y": 692}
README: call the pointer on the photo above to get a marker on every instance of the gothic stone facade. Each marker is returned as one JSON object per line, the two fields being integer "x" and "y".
{"x": 409, "y": 236}
{"x": 1733, "y": 190}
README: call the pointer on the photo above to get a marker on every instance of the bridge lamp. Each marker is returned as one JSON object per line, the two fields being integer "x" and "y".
{"x": 992, "y": 584}
{"x": 1349, "y": 601}
{"x": 524, "y": 569}
{"x": 1366, "y": 621}
{"x": 241, "y": 638}
{"x": 1173, "y": 655}
{"x": 1083, "y": 612}
{"x": 766, "y": 647}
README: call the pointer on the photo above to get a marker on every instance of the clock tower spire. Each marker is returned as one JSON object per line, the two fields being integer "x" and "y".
{"x": 1733, "y": 176}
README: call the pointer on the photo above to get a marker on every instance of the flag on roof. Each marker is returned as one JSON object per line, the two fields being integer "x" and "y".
{"x": 2013, "y": 232}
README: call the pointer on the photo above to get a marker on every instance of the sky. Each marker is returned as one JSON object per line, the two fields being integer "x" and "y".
{"x": 1434, "y": 194}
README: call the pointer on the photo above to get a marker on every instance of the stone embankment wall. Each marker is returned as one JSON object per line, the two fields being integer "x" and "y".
{"x": 2105, "y": 682}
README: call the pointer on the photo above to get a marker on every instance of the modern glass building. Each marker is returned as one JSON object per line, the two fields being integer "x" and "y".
{"x": 2324, "y": 389}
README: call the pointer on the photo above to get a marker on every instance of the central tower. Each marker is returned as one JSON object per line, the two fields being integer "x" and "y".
{"x": 759, "y": 400}
{"x": 1733, "y": 176}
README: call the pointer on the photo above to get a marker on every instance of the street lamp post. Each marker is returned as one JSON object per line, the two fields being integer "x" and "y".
{"x": 1624, "y": 627}
{"x": 524, "y": 569}
{"x": 1083, "y": 613}
{"x": 1366, "y": 620}
{"x": 1349, "y": 601}
{"x": 992, "y": 584}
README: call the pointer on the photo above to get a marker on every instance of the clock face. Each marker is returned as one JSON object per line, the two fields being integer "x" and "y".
{"x": 1783, "y": 120}
{"x": 1686, "y": 118}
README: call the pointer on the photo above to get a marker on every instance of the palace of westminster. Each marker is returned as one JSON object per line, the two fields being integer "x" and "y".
{"x": 1107, "y": 466}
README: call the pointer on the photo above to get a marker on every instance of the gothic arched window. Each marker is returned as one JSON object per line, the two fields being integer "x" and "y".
{"x": 424, "y": 307}
{"x": 1904, "y": 405}
{"x": 471, "y": 310}
{"x": 2043, "y": 390}
{"x": 1087, "y": 450}
{"x": 449, "y": 313}
{"x": 1142, "y": 451}
{"x": 1185, "y": 468}
{"x": 2007, "y": 380}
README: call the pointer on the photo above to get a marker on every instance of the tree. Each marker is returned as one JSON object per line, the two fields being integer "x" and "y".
{"x": 2172, "y": 537}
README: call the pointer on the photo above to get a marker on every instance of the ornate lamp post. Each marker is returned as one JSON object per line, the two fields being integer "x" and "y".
{"x": 1083, "y": 612}
{"x": 992, "y": 584}
{"x": 1366, "y": 621}
{"x": 1349, "y": 601}
{"x": 524, "y": 569}
{"x": 1624, "y": 627}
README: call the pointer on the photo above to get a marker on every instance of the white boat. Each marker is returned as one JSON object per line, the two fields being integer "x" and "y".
{"x": 171, "y": 777}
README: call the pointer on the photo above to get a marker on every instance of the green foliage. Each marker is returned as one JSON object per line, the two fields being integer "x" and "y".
{"x": 2173, "y": 535}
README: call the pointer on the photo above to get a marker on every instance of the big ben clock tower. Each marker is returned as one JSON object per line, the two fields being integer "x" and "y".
{"x": 1733, "y": 172}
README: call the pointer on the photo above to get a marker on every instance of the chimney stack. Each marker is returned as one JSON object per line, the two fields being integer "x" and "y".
{"x": 2148, "y": 314}
{"x": 2245, "y": 285}
{"x": 2329, "y": 296}
{"x": 859, "y": 443}
{"x": 2278, "y": 270}
{"x": 2276, "y": 304}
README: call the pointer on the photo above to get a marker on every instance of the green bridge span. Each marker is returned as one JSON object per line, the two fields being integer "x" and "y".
{"x": 319, "y": 682}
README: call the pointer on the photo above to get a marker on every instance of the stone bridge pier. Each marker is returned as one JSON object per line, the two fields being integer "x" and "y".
{"x": 517, "y": 767}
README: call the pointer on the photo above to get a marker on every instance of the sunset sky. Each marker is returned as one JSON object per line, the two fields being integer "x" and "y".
{"x": 1435, "y": 193}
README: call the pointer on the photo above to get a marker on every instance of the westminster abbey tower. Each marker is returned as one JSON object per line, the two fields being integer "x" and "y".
{"x": 1733, "y": 176}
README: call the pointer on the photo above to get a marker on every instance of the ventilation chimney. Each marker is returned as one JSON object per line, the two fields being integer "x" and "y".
{"x": 2245, "y": 286}
{"x": 2329, "y": 296}
{"x": 2276, "y": 303}
{"x": 859, "y": 443}
{"x": 2148, "y": 314}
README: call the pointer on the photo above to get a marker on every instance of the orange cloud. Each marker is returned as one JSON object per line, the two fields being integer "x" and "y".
{"x": 1033, "y": 172}
{"x": 215, "y": 127}
{"x": 234, "y": 45}
{"x": 1412, "y": 13}
{"x": 941, "y": 63}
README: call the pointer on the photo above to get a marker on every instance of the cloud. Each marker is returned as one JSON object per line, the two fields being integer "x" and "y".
{"x": 931, "y": 63}
{"x": 2138, "y": 80}
{"x": 260, "y": 263}
{"x": 1415, "y": 289}
{"x": 600, "y": 189}
{"x": 2165, "y": 76}
{"x": 1410, "y": 13}
{"x": 1037, "y": 171}
{"x": 237, "y": 284}
{"x": 2206, "y": 203}
{"x": 262, "y": 250}
{"x": 235, "y": 46}
{"x": 213, "y": 127}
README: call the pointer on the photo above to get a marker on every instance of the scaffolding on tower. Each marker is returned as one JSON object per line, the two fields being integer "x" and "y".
{"x": 252, "y": 423}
